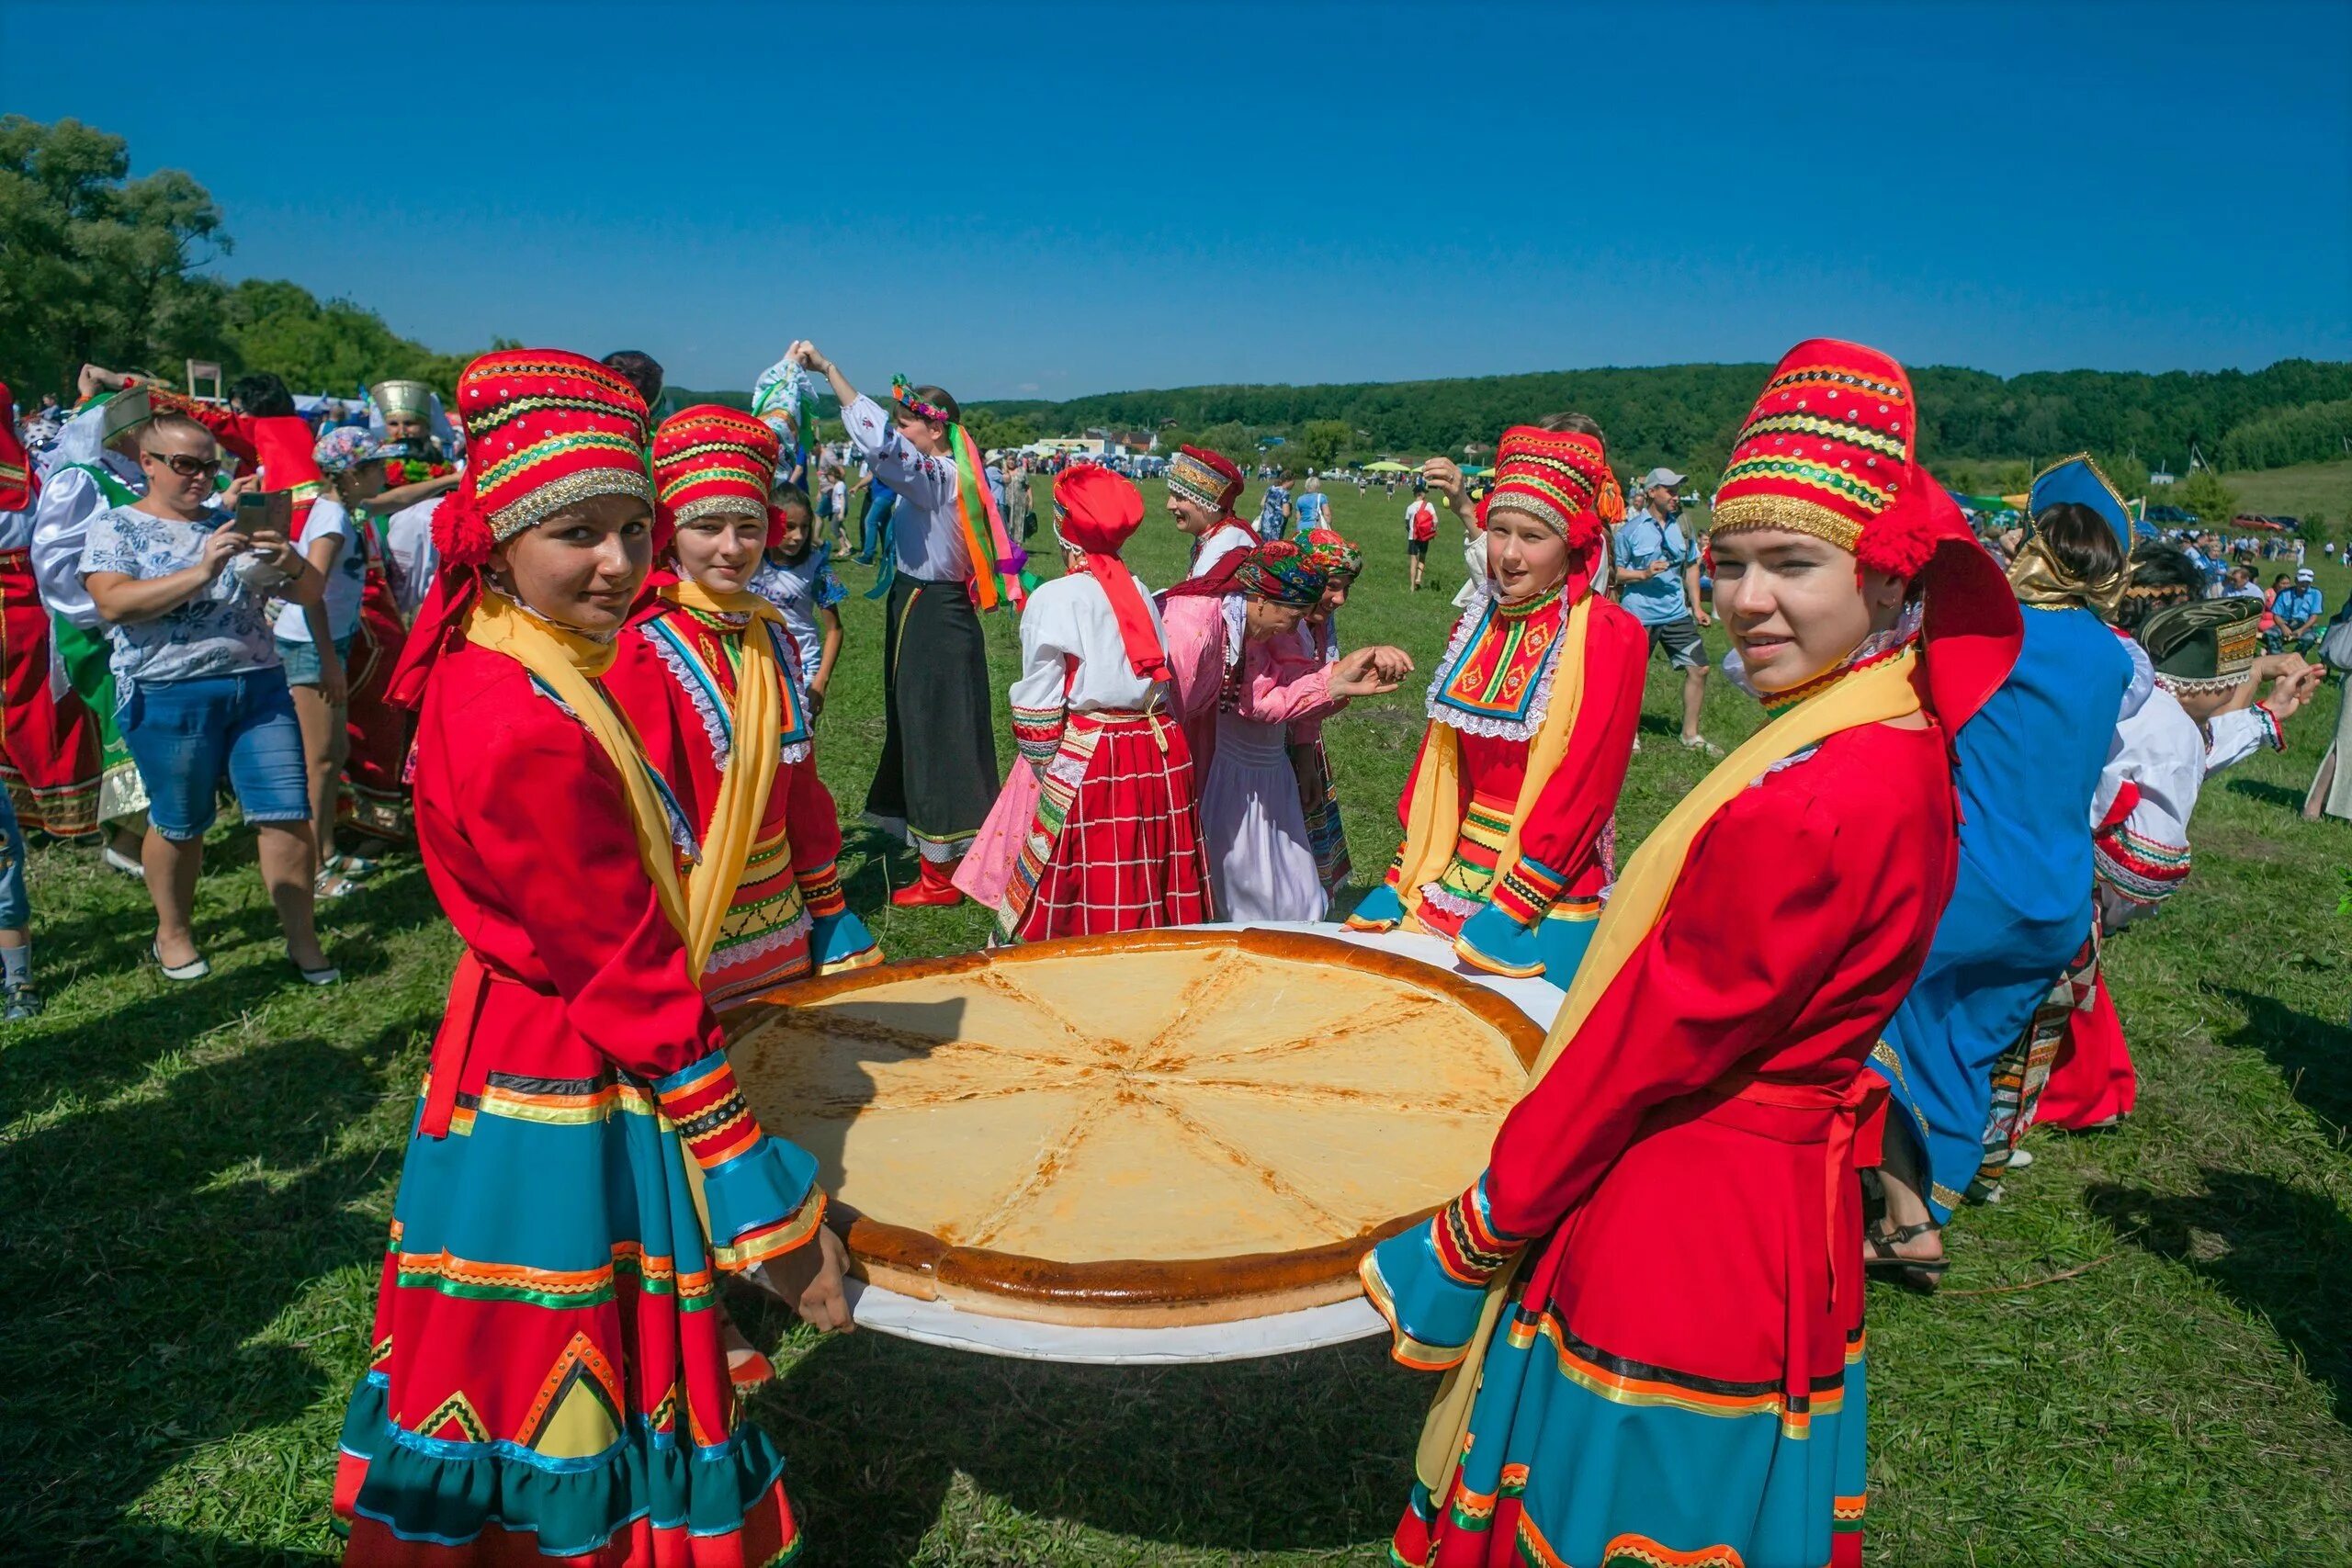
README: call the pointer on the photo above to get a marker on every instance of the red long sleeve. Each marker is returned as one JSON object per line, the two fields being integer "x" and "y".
{"x": 1578, "y": 800}
{"x": 546, "y": 829}
{"x": 1802, "y": 915}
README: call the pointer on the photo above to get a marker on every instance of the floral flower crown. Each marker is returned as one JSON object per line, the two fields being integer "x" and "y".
{"x": 902, "y": 392}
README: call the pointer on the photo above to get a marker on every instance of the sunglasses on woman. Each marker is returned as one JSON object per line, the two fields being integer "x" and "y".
{"x": 188, "y": 467}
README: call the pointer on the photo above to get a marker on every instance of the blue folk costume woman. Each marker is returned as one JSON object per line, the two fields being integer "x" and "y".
{"x": 2020, "y": 912}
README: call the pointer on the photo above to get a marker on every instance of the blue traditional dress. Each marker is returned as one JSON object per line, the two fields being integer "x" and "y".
{"x": 2029, "y": 762}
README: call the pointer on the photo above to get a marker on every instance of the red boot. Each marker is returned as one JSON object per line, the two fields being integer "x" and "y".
{"x": 935, "y": 886}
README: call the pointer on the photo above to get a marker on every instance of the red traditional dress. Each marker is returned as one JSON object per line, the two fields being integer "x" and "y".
{"x": 48, "y": 752}
{"x": 1098, "y": 829}
{"x": 680, "y": 675}
{"x": 1693, "y": 1119}
{"x": 548, "y": 1379}
{"x": 375, "y": 795}
{"x": 1507, "y": 814}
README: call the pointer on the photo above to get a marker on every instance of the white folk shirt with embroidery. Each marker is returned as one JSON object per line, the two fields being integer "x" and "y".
{"x": 1070, "y": 617}
{"x": 928, "y": 535}
{"x": 1220, "y": 542}
{"x": 2161, "y": 751}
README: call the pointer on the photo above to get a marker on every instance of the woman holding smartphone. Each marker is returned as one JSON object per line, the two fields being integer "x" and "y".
{"x": 185, "y": 589}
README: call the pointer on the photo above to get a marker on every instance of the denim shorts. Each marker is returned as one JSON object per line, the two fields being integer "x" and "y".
{"x": 185, "y": 735}
{"x": 301, "y": 659}
{"x": 15, "y": 908}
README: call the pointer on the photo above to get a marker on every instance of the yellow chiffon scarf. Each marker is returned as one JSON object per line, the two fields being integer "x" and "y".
{"x": 568, "y": 664}
{"x": 750, "y": 775}
{"x": 1870, "y": 696}
{"x": 1433, "y": 814}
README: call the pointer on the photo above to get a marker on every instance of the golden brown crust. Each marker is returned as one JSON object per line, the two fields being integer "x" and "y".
{"x": 1143, "y": 1292}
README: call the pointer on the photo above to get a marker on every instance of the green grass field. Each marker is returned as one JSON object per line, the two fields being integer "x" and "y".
{"x": 2299, "y": 492}
{"x": 195, "y": 1182}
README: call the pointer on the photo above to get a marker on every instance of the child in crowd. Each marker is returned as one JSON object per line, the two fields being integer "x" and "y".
{"x": 797, "y": 578}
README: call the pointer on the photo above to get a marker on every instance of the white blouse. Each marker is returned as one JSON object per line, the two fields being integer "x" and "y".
{"x": 928, "y": 535}
{"x": 1218, "y": 543}
{"x": 1069, "y": 620}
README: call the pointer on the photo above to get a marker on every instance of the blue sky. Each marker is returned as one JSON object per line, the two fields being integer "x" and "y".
{"x": 1051, "y": 200}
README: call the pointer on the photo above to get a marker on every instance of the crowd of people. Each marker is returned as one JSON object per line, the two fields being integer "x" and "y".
{"x": 577, "y": 657}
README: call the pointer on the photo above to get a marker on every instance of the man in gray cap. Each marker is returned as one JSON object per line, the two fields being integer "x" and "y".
{"x": 1658, "y": 581}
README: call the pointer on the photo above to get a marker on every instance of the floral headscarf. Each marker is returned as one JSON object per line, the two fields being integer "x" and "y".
{"x": 1282, "y": 574}
{"x": 1333, "y": 555}
{"x": 344, "y": 449}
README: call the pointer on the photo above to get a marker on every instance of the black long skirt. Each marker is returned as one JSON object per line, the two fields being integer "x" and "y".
{"x": 937, "y": 777}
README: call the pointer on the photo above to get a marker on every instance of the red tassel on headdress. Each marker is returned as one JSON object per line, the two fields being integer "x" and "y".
{"x": 461, "y": 532}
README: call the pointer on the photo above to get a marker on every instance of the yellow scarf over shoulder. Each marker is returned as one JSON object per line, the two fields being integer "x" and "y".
{"x": 758, "y": 720}
{"x": 1870, "y": 696}
{"x": 569, "y": 663}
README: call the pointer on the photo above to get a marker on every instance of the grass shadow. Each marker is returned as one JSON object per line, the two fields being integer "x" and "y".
{"x": 2278, "y": 1251}
{"x": 1210, "y": 1457}
{"x": 2267, "y": 793}
{"x": 157, "y": 1238}
{"x": 101, "y": 1055}
{"x": 2312, "y": 1055}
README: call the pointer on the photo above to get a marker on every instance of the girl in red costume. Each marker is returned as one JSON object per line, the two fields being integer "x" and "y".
{"x": 1651, "y": 1301}
{"x": 1532, "y": 713}
{"x": 547, "y": 1378}
{"x": 708, "y": 674}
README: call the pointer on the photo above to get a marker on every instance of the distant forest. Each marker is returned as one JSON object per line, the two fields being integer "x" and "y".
{"x": 2296, "y": 410}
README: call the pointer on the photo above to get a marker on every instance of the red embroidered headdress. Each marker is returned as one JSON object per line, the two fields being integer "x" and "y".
{"x": 1205, "y": 478}
{"x": 1556, "y": 477}
{"x": 709, "y": 458}
{"x": 1830, "y": 450}
{"x": 18, "y": 488}
{"x": 544, "y": 430}
{"x": 1095, "y": 512}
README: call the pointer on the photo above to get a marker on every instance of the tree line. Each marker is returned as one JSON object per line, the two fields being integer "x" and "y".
{"x": 1687, "y": 416}
{"x": 95, "y": 265}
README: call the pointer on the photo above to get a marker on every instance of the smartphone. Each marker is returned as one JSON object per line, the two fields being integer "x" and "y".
{"x": 267, "y": 511}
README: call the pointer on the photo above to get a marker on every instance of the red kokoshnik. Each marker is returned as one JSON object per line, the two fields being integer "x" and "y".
{"x": 1561, "y": 478}
{"x": 711, "y": 460}
{"x": 545, "y": 429}
{"x": 1830, "y": 450}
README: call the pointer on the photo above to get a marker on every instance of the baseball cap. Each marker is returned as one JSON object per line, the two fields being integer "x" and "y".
{"x": 1657, "y": 477}
{"x": 2305, "y": 574}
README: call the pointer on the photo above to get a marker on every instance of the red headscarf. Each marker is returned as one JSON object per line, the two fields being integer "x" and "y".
{"x": 18, "y": 486}
{"x": 1096, "y": 512}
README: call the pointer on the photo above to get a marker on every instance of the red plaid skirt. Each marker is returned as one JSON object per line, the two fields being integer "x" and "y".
{"x": 1115, "y": 845}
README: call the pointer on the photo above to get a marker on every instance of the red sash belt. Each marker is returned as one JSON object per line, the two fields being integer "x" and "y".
{"x": 467, "y": 986}
{"x": 1847, "y": 1109}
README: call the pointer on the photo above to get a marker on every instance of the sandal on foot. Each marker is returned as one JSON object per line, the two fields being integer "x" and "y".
{"x": 326, "y": 975}
{"x": 195, "y": 969}
{"x": 1879, "y": 1256}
